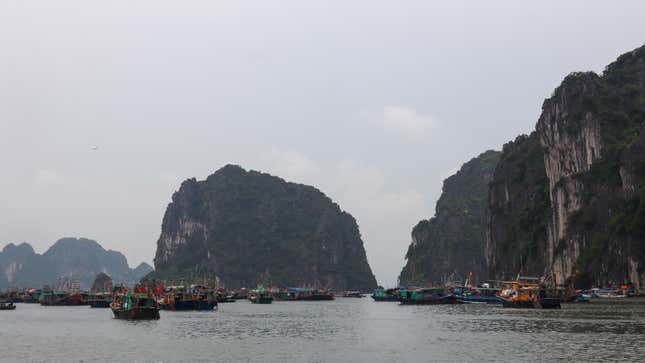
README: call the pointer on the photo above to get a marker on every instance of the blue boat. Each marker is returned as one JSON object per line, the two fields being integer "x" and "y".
{"x": 196, "y": 297}
{"x": 479, "y": 295}
{"x": 428, "y": 296}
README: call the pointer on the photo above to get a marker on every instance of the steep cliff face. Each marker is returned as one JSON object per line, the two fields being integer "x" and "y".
{"x": 451, "y": 244}
{"x": 519, "y": 206}
{"x": 571, "y": 135}
{"x": 590, "y": 132}
{"x": 245, "y": 227}
{"x": 69, "y": 258}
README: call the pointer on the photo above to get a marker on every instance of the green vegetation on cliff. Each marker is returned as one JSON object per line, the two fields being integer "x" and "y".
{"x": 580, "y": 206}
{"x": 246, "y": 226}
{"x": 519, "y": 207}
{"x": 451, "y": 244}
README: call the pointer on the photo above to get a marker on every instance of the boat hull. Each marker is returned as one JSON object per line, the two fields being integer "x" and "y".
{"x": 450, "y": 299}
{"x": 262, "y": 300}
{"x": 478, "y": 299}
{"x": 321, "y": 297}
{"x": 518, "y": 304}
{"x": 136, "y": 314}
{"x": 100, "y": 304}
{"x": 190, "y": 305}
{"x": 550, "y": 303}
{"x": 385, "y": 298}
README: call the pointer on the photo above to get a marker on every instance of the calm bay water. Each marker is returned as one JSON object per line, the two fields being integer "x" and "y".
{"x": 356, "y": 330}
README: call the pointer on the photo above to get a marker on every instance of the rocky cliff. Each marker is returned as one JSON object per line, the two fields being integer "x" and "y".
{"x": 451, "y": 244}
{"x": 518, "y": 203}
{"x": 69, "y": 258}
{"x": 591, "y": 135}
{"x": 20, "y": 265}
{"x": 246, "y": 226}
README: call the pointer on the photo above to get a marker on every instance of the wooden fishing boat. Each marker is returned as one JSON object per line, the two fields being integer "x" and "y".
{"x": 318, "y": 295}
{"x": 527, "y": 293}
{"x": 59, "y": 298}
{"x": 285, "y": 295}
{"x": 305, "y": 294}
{"x": 608, "y": 293}
{"x": 485, "y": 295}
{"x": 352, "y": 293}
{"x": 222, "y": 296}
{"x": 7, "y": 305}
{"x": 386, "y": 295}
{"x": 196, "y": 297}
{"x": 428, "y": 296}
{"x": 133, "y": 306}
{"x": 32, "y": 296}
{"x": 100, "y": 300}
{"x": 260, "y": 296}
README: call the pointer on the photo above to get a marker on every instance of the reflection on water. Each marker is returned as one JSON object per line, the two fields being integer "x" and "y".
{"x": 342, "y": 330}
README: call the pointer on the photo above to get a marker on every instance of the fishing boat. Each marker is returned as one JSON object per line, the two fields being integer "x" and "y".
{"x": 59, "y": 298}
{"x": 7, "y": 305}
{"x": 576, "y": 296}
{"x": 352, "y": 293}
{"x": 427, "y": 296}
{"x": 32, "y": 296}
{"x": 15, "y": 296}
{"x": 485, "y": 295}
{"x": 196, "y": 297}
{"x": 221, "y": 296}
{"x": 381, "y": 294}
{"x": 317, "y": 295}
{"x": 100, "y": 300}
{"x": 482, "y": 294}
{"x": 527, "y": 293}
{"x": 608, "y": 293}
{"x": 285, "y": 295}
{"x": 133, "y": 306}
{"x": 260, "y": 296}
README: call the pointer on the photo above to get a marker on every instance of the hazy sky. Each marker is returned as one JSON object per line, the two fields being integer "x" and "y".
{"x": 373, "y": 102}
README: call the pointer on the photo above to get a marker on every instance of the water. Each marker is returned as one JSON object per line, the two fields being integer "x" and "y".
{"x": 345, "y": 330}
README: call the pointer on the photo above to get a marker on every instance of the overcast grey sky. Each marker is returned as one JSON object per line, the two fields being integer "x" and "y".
{"x": 373, "y": 102}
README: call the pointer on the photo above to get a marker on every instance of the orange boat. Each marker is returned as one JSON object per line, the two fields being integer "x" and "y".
{"x": 527, "y": 293}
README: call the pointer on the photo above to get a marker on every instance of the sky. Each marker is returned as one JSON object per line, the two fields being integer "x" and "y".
{"x": 106, "y": 106}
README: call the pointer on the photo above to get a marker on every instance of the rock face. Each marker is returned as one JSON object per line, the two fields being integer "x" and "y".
{"x": 518, "y": 203}
{"x": 451, "y": 244}
{"x": 593, "y": 162}
{"x": 245, "y": 227}
{"x": 69, "y": 258}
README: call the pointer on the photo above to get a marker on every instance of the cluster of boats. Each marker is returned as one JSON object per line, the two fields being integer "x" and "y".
{"x": 145, "y": 302}
{"x": 524, "y": 292}
{"x": 263, "y": 296}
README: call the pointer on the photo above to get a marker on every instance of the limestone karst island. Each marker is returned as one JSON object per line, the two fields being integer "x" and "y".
{"x": 367, "y": 181}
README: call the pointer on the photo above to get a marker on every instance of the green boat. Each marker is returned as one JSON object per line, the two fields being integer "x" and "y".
{"x": 260, "y": 296}
{"x": 428, "y": 296}
{"x": 135, "y": 306}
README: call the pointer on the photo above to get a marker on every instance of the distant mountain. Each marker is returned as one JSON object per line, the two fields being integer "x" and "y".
{"x": 20, "y": 264}
{"x": 141, "y": 271}
{"x": 450, "y": 245}
{"x": 246, "y": 226}
{"x": 69, "y": 258}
